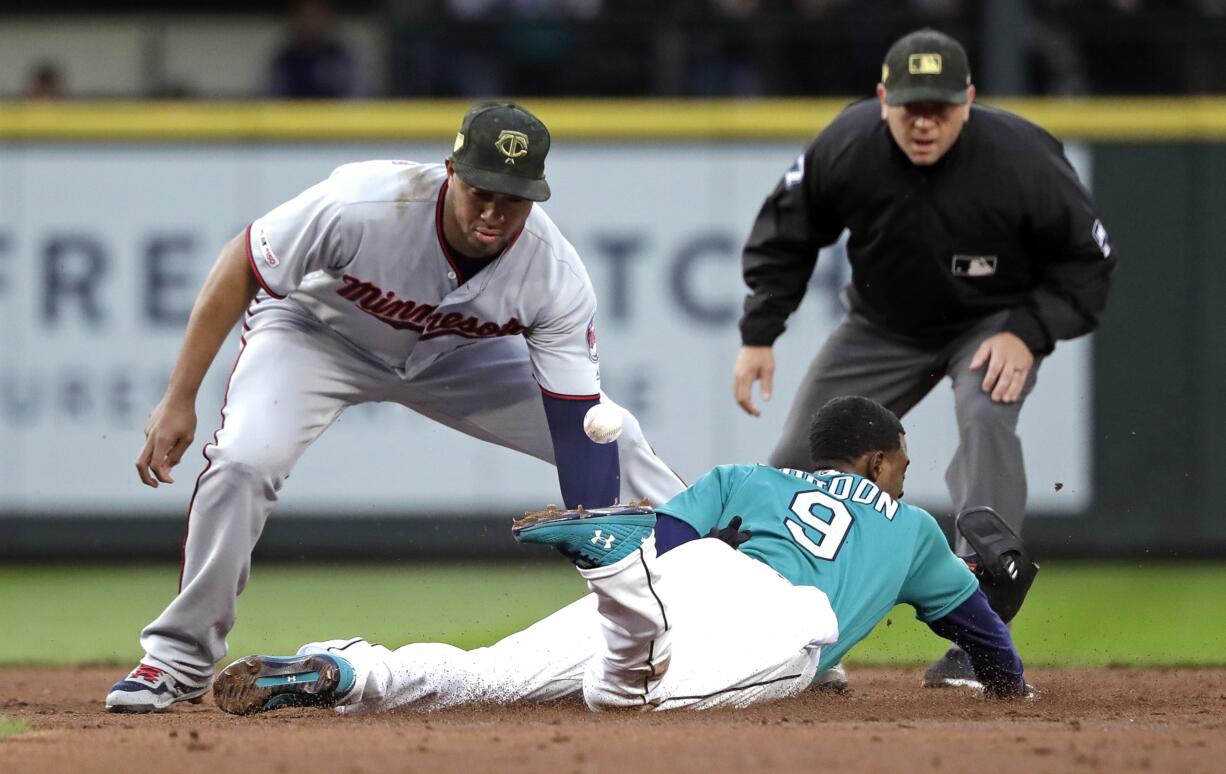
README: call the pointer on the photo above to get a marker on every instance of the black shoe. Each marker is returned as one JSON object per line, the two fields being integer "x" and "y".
{"x": 953, "y": 670}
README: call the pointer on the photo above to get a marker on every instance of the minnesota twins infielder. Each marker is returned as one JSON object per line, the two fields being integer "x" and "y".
{"x": 440, "y": 287}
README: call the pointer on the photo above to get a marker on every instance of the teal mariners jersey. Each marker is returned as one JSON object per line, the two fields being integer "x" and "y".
{"x": 838, "y": 532}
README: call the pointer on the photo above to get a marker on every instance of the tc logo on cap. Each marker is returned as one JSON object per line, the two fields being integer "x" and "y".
{"x": 924, "y": 64}
{"x": 512, "y": 144}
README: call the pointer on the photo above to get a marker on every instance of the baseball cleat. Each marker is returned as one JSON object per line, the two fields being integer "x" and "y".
{"x": 262, "y": 683}
{"x": 150, "y": 689}
{"x": 953, "y": 670}
{"x": 589, "y": 538}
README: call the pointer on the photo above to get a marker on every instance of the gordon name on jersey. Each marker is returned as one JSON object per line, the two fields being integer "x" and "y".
{"x": 363, "y": 251}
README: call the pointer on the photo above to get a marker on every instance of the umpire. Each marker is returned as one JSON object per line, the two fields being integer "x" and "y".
{"x": 973, "y": 248}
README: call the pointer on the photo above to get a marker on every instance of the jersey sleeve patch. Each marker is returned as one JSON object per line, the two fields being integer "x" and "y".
{"x": 591, "y": 341}
{"x": 1099, "y": 232}
{"x": 563, "y": 352}
{"x": 269, "y": 258}
{"x": 796, "y": 175}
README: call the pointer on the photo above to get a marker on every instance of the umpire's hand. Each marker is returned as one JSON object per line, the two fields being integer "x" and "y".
{"x": 1009, "y": 361}
{"x": 752, "y": 364}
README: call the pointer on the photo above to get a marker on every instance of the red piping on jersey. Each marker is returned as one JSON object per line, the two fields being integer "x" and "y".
{"x": 255, "y": 269}
{"x": 442, "y": 240}
{"x": 561, "y": 396}
{"x": 204, "y": 450}
{"x": 438, "y": 229}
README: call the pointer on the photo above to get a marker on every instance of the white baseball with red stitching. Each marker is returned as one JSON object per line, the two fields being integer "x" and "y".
{"x": 603, "y": 423}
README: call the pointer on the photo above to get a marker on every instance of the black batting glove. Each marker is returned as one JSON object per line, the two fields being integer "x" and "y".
{"x": 732, "y": 534}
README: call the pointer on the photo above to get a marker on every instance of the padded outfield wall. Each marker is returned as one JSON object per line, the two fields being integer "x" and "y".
{"x": 111, "y": 214}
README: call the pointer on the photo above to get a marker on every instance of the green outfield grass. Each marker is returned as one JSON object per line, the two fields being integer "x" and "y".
{"x": 12, "y": 726}
{"x": 1078, "y": 614}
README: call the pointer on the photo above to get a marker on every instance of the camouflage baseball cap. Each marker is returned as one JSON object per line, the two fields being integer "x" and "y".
{"x": 501, "y": 147}
{"x": 925, "y": 66}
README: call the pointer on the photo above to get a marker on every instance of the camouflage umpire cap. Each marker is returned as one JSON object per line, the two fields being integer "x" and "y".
{"x": 501, "y": 148}
{"x": 925, "y": 66}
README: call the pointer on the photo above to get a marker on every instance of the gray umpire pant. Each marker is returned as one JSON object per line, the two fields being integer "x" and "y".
{"x": 860, "y": 359}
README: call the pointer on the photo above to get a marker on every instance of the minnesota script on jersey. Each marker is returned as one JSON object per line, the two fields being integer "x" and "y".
{"x": 838, "y": 532}
{"x": 363, "y": 251}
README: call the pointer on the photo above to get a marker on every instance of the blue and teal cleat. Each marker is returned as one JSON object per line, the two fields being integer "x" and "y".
{"x": 589, "y": 538}
{"x": 261, "y": 683}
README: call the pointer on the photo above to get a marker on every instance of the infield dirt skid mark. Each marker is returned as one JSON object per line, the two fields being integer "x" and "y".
{"x": 1108, "y": 720}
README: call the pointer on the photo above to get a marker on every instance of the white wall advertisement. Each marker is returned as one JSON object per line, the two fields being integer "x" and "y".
{"x": 103, "y": 247}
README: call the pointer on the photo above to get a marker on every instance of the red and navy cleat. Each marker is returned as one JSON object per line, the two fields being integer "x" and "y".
{"x": 150, "y": 689}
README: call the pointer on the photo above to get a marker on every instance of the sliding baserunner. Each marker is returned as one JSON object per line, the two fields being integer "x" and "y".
{"x": 795, "y": 569}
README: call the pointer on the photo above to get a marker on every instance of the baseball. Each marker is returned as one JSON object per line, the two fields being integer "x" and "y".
{"x": 603, "y": 423}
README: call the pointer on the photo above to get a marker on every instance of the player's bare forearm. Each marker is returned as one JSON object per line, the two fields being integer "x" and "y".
{"x": 226, "y": 293}
{"x": 172, "y": 425}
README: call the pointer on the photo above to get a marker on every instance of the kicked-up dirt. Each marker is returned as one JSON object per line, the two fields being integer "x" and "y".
{"x": 1108, "y": 720}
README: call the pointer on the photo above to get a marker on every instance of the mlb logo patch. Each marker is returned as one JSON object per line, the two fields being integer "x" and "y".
{"x": 796, "y": 174}
{"x": 924, "y": 64}
{"x": 974, "y": 265}
{"x": 269, "y": 256}
{"x": 1099, "y": 232}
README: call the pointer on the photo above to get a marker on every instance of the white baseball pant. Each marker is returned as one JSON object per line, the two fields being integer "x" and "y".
{"x": 702, "y": 626}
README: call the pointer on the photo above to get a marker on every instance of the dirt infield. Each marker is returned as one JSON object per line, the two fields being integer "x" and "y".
{"x": 1108, "y": 720}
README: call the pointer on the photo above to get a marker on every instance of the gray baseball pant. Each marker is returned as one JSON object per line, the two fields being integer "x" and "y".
{"x": 860, "y": 359}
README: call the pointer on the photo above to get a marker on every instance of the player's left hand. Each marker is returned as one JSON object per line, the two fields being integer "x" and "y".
{"x": 732, "y": 534}
{"x": 1008, "y": 361}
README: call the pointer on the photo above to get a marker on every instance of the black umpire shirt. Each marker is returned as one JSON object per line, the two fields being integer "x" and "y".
{"x": 999, "y": 222}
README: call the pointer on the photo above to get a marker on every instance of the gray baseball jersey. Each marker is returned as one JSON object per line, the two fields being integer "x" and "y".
{"x": 362, "y": 302}
{"x": 363, "y": 251}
